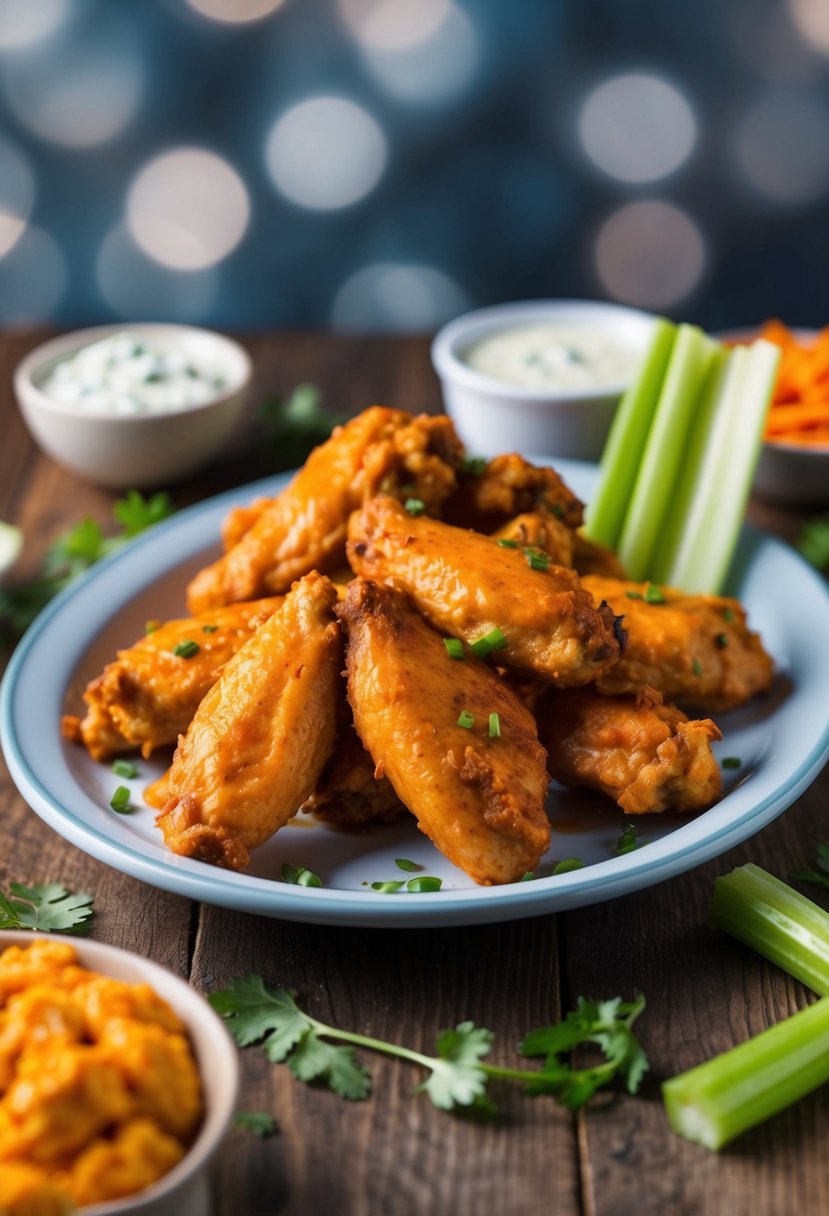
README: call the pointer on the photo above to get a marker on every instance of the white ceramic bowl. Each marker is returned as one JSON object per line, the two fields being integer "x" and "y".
{"x": 184, "y": 1191}
{"x": 492, "y": 416}
{"x": 137, "y": 451}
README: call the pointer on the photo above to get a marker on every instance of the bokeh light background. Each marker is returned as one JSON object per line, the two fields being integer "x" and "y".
{"x": 381, "y": 165}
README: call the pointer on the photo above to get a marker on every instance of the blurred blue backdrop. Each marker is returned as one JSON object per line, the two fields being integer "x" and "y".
{"x": 380, "y": 165}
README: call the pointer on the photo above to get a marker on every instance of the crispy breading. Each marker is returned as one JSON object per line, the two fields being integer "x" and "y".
{"x": 256, "y": 746}
{"x": 479, "y": 798}
{"x": 466, "y": 585}
{"x": 696, "y": 650}
{"x": 508, "y": 486}
{"x": 645, "y": 755}
{"x": 148, "y": 695}
{"x": 544, "y": 532}
{"x": 304, "y": 527}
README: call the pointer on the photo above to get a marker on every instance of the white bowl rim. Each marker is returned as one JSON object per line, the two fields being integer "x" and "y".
{"x": 63, "y": 345}
{"x": 216, "y": 1120}
{"x": 482, "y": 320}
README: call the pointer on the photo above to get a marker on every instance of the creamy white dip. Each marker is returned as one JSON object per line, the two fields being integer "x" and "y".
{"x": 127, "y": 374}
{"x": 554, "y": 357}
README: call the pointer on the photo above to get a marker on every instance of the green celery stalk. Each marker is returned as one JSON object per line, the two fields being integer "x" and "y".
{"x": 659, "y": 469}
{"x": 703, "y": 438}
{"x": 775, "y": 920}
{"x": 717, "y": 507}
{"x": 626, "y": 440}
{"x": 724, "y": 1097}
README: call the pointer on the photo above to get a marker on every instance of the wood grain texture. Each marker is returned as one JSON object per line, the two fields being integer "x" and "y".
{"x": 395, "y": 1154}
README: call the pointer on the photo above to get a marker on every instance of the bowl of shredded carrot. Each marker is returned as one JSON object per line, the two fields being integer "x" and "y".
{"x": 794, "y": 463}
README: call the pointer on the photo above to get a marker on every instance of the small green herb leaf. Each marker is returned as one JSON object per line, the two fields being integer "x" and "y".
{"x": 47, "y": 907}
{"x": 299, "y": 876}
{"x": 456, "y": 1078}
{"x": 568, "y": 864}
{"x": 424, "y": 883}
{"x": 410, "y": 867}
{"x": 258, "y": 1123}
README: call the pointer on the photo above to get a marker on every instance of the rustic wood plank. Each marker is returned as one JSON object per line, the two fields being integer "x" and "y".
{"x": 395, "y": 1153}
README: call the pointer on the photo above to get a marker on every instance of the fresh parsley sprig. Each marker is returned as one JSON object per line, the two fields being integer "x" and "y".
{"x": 457, "y": 1076}
{"x": 813, "y": 542}
{"x": 73, "y": 553}
{"x": 293, "y": 426}
{"x": 47, "y": 907}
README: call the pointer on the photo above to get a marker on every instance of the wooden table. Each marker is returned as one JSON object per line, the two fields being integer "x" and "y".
{"x": 395, "y": 1154}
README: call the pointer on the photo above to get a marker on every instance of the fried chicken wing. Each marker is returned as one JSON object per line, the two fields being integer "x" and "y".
{"x": 696, "y": 650}
{"x": 255, "y": 748}
{"x": 589, "y": 557}
{"x": 147, "y": 697}
{"x": 467, "y": 585}
{"x": 349, "y": 793}
{"x": 304, "y": 528}
{"x": 644, "y": 754}
{"x": 545, "y": 532}
{"x": 508, "y": 486}
{"x": 480, "y": 799}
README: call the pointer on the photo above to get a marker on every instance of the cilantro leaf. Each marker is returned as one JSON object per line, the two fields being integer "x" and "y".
{"x": 294, "y": 426}
{"x": 456, "y": 1077}
{"x": 47, "y": 907}
{"x": 315, "y": 1060}
{"x": 254, "y": 1010}
{"x": 258, "y": 1123}
{"x": 136, "y": 513}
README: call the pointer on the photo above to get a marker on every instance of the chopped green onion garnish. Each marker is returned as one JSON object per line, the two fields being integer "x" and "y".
{"x": 403, "y": 863}
{"x": 299, "y": 876}
{"x": 488, "y": 642}
{"x": 628, "y": 841}
{"x": 494, "y": 725}
{"x": 506, "y": 543}
{"x": 731, "y": 762}
{"x": 151, "y": 626}
{"x": 634, "y": 595}
{"x": 466, "y": 719}
{"x": 528, "y": 877}
{"x": 569, "y": 863}
{"x": 473, "y": 466}
{"x": 186, "y": 649}
{"x": 654, "y": 594}
{"x": 454, "y": 648}
{"x": 388, "y": 888}
{"x": 697, "y": 667}
{"x": 209, "y": 628}
{"x": 425, "y": 883}
{"x": 415, "y": 506}
{"x": 120, "y": 800}
{"x": 124, "y": 768}
{"x": 538, "y": 561}
{"x": 722, "y": 640}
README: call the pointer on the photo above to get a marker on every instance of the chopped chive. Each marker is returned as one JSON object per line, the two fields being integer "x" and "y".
{"x": 454, "y": 648}
{"x": 425, "y": 883}
{"x": 697, "y": 667}
{"x": 120, "y": 800}
{"x": 488, "y": 642}
{"x": 728, "y": 614}
{"x": 722, "y": 640}
{"x": 528, "y": 877}
{"x": 538, "y": 561}
{"x": 473, "y": 466}
{"x": 209, "y": 628}
{"x": 151, "y": 626}
{"x": 731, "y": 762}
{"x": 186, "y": 649}
{"x": 403, "y": 863}
{"x": 654, "y": 594}
{"x": 415, "y": 506}
{"x": 506, "y": 543}
{"x": 466, "y": 719}
{"x": 124, "y": 768}
{"x": 299, "y": 876}
{"x": 568, "y": 864}
{"x": 494, "y": 725}
{"x": 634, "y": 595}
{"x": 628, "y": 840}
{"x": 388, "y": 888}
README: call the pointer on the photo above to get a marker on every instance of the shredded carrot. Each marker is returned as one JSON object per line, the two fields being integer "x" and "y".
{"x": 799, "y": 411}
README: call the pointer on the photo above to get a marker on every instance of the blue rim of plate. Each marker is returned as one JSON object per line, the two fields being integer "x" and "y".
{"x": 603, "y": 880}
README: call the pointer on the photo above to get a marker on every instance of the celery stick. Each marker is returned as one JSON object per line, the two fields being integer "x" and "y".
{"x": 715, "y": 514}
{"x": 775, "y": 920}
{"x": 626, "y": 440}
{"x": 727, "y": 1095}
{"x": 659, "y": 468}
{"x": 704, "y": 432}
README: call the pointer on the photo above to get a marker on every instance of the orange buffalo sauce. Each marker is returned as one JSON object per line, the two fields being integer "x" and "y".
{"x": 99, "y": 1090}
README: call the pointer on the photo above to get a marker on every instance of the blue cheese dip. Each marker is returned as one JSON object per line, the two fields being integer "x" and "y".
{"x": 126, "y": 374}
{"x": 554, "y": 357}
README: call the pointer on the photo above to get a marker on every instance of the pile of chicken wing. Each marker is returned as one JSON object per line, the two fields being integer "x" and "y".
{"x": 404, "y": 630}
